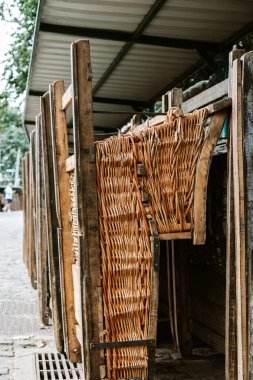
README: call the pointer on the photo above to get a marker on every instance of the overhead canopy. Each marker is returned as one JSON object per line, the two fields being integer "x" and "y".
{"x": 139, "y": 49}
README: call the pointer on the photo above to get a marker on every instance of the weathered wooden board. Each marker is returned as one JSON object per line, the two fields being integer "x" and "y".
{"x": 62, "y": 197}
{"x": 41, "y": 249}
{"x": 52, "y": 223}
{"x": 87, "y": 209}
{"x": 247, "y": 80}
{"x": 32, "y": 265}
{"x": 230, "y": 330}
{"x": 239, "y": 215}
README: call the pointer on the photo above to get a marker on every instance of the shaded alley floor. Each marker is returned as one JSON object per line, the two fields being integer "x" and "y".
{"x": 21, "y": 334}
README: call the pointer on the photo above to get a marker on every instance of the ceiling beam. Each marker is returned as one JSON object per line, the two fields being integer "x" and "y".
{"x": 154, "y": 9}
{"x": 115, "y": 35}
{"x": 98, "y": 99}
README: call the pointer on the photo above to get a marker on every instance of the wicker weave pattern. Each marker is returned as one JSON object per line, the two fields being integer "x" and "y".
{"x": 126, "y": 257}
{"x": 169, "y": 152}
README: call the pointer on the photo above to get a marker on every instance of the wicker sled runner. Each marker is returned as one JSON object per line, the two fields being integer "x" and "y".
{"x": 169, "y": 153}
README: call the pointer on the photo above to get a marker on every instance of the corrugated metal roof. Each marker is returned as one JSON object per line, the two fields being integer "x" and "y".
{"x": 137, "y": 47}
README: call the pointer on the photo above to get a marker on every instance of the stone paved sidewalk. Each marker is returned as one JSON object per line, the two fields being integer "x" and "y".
{"x": 21, "y": 334}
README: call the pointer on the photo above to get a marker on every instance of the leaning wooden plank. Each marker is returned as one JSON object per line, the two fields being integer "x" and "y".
{"x": 200, "y": 191}
{"x": 239, "y": 212}
{"x": 208, "y": 96}
{"x": 230, "y": 326}
{"x": 62, "y": 187}
{"x": 27, "y": 211}
{"x": 247, "y": 80}
{"x": 33, "y": 270}
{"x": 52, "y": 223}
{"x": 87, "y": 209}
{"x": 24, "y": 179}
{"x": 67, "y": 98}
{"x": 42, "y": 262}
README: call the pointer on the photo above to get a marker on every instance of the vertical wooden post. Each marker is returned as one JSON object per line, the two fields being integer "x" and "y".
{"x": 52, "y": 223}
{"x": 230, "y": 320}
{"x": 86, "y": 192}
{"x": 42, "y": 262}
{"x": 239, "y": 215}
{"x": 24, "y": 174}
{"x": 247, "y": 96}
{"x": 27, "y": 210}
{"x": 59, "y": 136}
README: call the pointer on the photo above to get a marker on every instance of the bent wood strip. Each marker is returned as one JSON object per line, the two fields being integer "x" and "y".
{"x": 59, "y": 130}
{"x": 200, "y": 190}
{"x": 52, "y": 224}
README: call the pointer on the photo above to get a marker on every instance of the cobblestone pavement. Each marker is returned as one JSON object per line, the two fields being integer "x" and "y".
{"x": 20, "y": 331}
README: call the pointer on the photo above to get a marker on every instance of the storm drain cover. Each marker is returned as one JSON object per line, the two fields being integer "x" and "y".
{"x": 55, "y": 366}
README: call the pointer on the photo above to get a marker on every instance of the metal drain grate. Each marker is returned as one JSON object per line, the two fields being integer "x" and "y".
{"x": 55, "y": 366}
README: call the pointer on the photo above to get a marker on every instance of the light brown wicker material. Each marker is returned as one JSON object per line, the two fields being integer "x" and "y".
{"x": 169, "y": 152}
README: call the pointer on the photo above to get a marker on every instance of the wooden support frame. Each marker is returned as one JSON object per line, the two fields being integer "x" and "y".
{"x": 59, "y": 138}
{"x": 87, "y": 209}
{"x": 51, "y": 223}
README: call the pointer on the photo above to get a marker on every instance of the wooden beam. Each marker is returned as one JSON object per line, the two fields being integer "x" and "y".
{"x": 208, "y": 96}
{"x": 176, "y": 236}
{"x": 202, "y": 172}
{"x": 62, "y": 194}
{"x": 87, "y": 208}
{"x": 67, "y": 98}
{"x": 52, "y": 224}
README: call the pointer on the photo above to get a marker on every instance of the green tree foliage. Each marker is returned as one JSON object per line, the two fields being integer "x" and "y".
{"x": 11, "y": 140}
{"x": 9, "y": 116}
{"x": 21, "y": 14}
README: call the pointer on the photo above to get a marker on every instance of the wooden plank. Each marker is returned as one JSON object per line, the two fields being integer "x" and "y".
{"x": 202, "y": 172}
{"x": 41, "y": 249}
{"x": 239, "y": 214}
{"x": 176, "y": 235}
{"x": 206, "y": 97}
{"x": 87, "y": 209}
{"x": 70, "y": 164}
{"x": 67, "y": 98}
{"x": 24, "y": 179}
{"x": 247, "y": 80}
{"x": 230, "y": 327}
{"x": 62, "y": 188}
{"x": 33, "y": 269}
{"x": 211, "y": 108}
{"x": 51, "y": 223}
